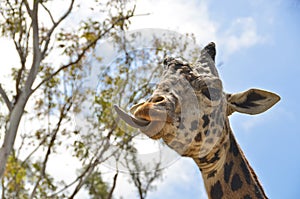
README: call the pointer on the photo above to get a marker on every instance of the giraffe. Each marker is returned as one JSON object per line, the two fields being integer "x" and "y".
{"x": 190, "y": 111}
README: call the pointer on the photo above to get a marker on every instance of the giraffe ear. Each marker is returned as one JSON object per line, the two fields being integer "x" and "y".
{"x": 253, "y": 101}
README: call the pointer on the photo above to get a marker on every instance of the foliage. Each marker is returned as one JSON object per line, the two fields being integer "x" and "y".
{"x": 96, "y": 186}
{"x": 48, "y": 90}
{"x": 52, "y": 89}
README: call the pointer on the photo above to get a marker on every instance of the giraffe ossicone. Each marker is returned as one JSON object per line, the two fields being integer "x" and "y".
{"x": 189, "y": 110}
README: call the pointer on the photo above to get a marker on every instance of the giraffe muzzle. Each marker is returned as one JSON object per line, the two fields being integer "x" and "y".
{"x": 151, "y": 128}
{"x": 130, "y": 120}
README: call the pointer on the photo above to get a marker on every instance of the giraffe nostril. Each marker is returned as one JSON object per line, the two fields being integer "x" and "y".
{"x": 157, "y": 99}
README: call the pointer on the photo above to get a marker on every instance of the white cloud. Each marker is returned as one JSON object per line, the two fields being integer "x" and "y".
{"x": 241, "y": 34}
{"x": 248, "y": 123}
{"x": 177, "y": 15}
{"x": 184, "y": 174}
{"x": 194, "y": 17}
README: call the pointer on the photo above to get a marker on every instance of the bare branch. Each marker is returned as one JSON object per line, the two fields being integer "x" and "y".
{"x": 34, "y": 150}
{"x": 80, "y": 179}
{"x": 27, "y": 41}
{"x": 18, "y": 46}
{"x": 36, "y": 48}
{"x": 95, "y": 161}
{"x": 83, "y": 52}
{"x": 49, "y": 13}
{"x": 20, "y": 22}
{"x": 65, "y": 109}
{"x": 142, "y": 180}
{"x": 5, "y": 98}
{"x": 113, "y": 186}
{"x": 27, "y": 7}
{"x": 21, "y": 146}
{"x": 21, "y": 70}
{"x": 84, "y": 177}
{"x": 156, "y": 174}
{"x": 55, "y": 24}
{"x": 66, "y": 187}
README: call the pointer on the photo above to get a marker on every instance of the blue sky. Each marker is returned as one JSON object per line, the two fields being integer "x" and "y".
{"x": 258, "y": 46}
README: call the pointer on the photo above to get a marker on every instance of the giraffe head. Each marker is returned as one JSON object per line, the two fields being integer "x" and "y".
{"x": 189, "y": 109}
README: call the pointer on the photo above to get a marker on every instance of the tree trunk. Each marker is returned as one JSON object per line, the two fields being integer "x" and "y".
{"x": 11, "y": 132}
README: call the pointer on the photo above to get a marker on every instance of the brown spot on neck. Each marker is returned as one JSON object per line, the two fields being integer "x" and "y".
{"x": 227, "y": 173}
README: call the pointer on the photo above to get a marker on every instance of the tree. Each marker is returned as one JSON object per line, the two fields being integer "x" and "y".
{"x": 36, "y": 40}
{"x": 54, "y": 62}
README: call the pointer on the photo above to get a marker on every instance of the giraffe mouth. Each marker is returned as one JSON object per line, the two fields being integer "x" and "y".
{"x": 151, "y": 128}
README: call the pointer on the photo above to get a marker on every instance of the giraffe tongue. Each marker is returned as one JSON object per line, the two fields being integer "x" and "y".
{"x": 132, "y": 121}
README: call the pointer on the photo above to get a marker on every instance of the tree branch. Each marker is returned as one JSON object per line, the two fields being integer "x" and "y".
{"x": 55, "y": 24}
{"x": 83, "y": 52}
{"x": 49, "y": 13}
{"x": 34, "y": 150}
{"x": 20, "y": 71}
{"x": 5, "y": 98}
{"x": 95, "y": 161}
{"x": 36, "y": 48}
{"x": 84, "y": 177}
{"x": 3, "y": 188}
{"x": 27, "y": 7}
{"x": 18, "y": 45}
{"x": 113, "y": 186}
{"x": 67, "y": 106}
{"x": 81, "y": 179}
{"x": 66, "y": 187}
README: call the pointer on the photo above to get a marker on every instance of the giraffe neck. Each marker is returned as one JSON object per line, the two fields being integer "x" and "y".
{"x": 227, "y": 173}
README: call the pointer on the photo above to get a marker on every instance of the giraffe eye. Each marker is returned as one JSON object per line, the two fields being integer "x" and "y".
{"x": 212, "y": 93}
